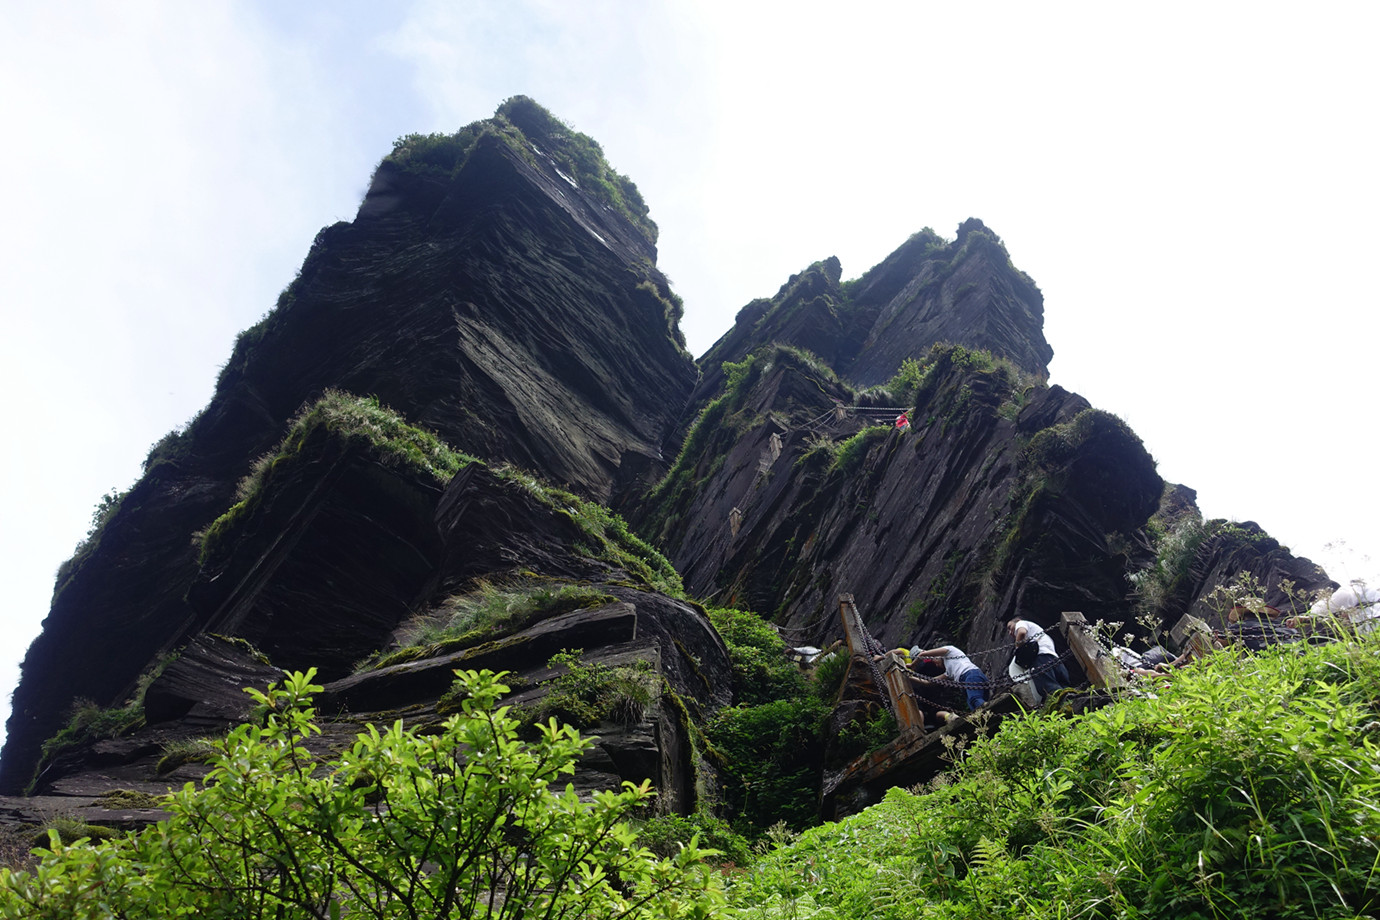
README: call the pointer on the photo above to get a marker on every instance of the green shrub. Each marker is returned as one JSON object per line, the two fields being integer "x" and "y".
{"x": 86, "y": 724}
{"x": 1052, "y": 447}
{"x": 611, "y": 540}
{"x": 484, "y": 614}
{"x": 761, "y": 670}
{"x": 351, "y": 421}
{"x": 468, "y": 822}
{"x": 909, "y": 380}
{"x": 581, "y": 157}
{"x": 1157, "y": 585}
{"x": 828, "y": 677}
{"x": 101, "y": 515}
{"x": 852, "y": 451}
{"x": 863, "y": 736}
{"x": 70, "y": 830}
{"x": 771, "y": 755}
{"x": 437, "y": 154}
{"x": 917, "y": 381}
{"x": 185, "y": 751}
{"x": 672, "y": 307}
{"x": 589, "y": 693}
{"x": 1246, "y": 787}
{"x": 128, "y": 798}
{"x": 666, "y": 835}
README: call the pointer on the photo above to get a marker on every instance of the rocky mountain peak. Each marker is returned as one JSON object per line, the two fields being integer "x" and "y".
{"x": 408, "y": 467}
{"x": 498, "y": 288}
{"x": 929, "y": 291}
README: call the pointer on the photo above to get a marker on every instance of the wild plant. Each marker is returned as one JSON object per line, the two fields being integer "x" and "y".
{"x": 587, "y": 693}
{"x": 1246, "y": 788}
{"x": 469, "y": 821}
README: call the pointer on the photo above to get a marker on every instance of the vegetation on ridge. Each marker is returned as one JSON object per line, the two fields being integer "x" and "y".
{"x": 339, "y": 420}
{"x": 531, "y": 131}
{"x": 484, "y": 613}
{"x": 1244, "y": 786}
{"x": 588, "y": 693}
{"x": 277, "y": 833}
{"x": 342, "y": 419}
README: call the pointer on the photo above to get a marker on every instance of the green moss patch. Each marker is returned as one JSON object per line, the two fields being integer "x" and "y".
{"x": 337, "y": 422}
{"x": 485, "y": 614}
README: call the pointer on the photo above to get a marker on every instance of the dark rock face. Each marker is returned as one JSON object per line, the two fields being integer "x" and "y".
{"x": 339, "y": 553}
{"x": 968, "y": 294}
{"x": 1232, "y": 549}
{"x": 964, "y": 292}
{"x": 299, "y": 581}
{"x": 941, "y": 533}
{"x": 204, "y": 686}
{"x": 519, "y": 317}
{"x": 490, "y": 524}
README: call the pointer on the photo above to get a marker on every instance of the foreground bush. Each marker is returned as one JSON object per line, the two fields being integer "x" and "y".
{"x": 1248, "y": 787}
{"x": 465, "y": 823}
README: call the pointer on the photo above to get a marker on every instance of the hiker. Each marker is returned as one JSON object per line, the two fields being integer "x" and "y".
{"x": 958, "y": 667}
{"x": 923, "y": 671}
{"x": 1351, "y": 609}
{"x": 1133, "y": 664}
{"x": 903, "y": 423}
{"x": 1161, "y": 659}
{"x": 919, "y": 672}
{"x": 1035, "y": 652}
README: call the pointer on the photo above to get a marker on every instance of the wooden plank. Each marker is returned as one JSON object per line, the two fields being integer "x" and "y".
{"x": 909, "y": 719}
{"x": 1102, "y": 669}
{"x": 851, "y": 627}
{"x": 896, "y": 685}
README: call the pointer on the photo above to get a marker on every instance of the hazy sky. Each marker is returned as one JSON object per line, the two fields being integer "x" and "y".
{"x": 1192, "y": 186}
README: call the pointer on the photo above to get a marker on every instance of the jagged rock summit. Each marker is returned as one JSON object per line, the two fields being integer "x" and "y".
{"x": 408, "y": 467}
{"x": 963, "y": 292}
{"x": 497, "y": 287}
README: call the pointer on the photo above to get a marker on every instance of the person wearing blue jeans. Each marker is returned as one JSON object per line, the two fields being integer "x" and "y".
{"x": 1050, "y": 674}
{"x": 959, "y": 668}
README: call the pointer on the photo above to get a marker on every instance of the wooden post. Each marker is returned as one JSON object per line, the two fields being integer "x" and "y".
{"x": 735, "y": 521}
{"x": 909, "y": 718}
{"x": 852, "y": 634}
{"x": 1191, "y": 632}
{"x": 1102, "y": 669}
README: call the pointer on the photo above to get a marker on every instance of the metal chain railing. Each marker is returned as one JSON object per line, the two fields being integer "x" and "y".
{"x": 994, "y": 686}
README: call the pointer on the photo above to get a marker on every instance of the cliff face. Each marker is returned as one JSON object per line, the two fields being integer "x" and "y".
{"x": 497, "y": 290}
{"x": 346, "y": 552}
{"x": 1002, "y": 500}
{"x": 481, "y": 293}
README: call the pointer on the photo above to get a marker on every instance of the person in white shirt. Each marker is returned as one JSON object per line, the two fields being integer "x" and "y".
{"x": 1050, "y": 673}
{"x": 959, "y": 668}
{"x": 1352, "y": 609}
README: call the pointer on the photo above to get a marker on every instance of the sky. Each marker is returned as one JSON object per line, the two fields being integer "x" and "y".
{"x": 1191, "y": 185}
